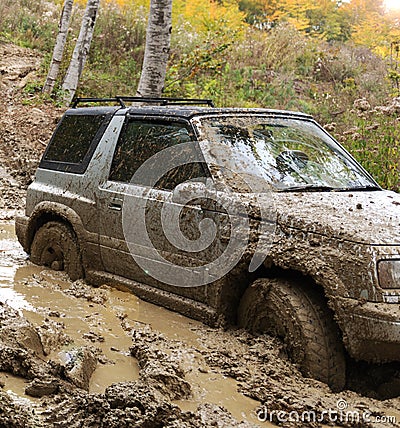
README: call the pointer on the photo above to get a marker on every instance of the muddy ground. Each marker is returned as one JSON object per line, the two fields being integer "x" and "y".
{"x": 76, "y": 356}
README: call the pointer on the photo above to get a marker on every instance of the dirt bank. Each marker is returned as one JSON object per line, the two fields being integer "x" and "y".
{"x": 76, "y": 356}
{"x": 24, "y": 128}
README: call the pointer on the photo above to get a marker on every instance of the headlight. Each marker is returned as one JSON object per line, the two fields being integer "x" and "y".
{"x": 389, "y": 273}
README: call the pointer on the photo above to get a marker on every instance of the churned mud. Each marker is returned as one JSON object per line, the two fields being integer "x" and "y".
{"x": 76, "y": 356}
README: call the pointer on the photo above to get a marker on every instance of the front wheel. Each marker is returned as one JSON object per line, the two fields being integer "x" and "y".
{"x": 56, "y": 246}
{"x": 300, "y": 316}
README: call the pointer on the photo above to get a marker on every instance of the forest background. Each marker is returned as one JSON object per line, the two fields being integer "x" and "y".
{"x": 336, "y": 60}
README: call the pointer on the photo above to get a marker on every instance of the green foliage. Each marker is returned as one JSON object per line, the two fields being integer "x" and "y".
{"x": 126, "y": 46}
{"x": 33, "y": 87}
{"x": 394, "y": 77}
{"x": 394, "y": 68}
{"x": 204, "y": 60}
{"x": 375, "y": 143}
{"x": 33, "y": 96}
{"x": 28, "y": 24}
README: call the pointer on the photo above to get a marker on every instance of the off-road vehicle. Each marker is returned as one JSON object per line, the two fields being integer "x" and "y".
{"x": 227, "y": 215}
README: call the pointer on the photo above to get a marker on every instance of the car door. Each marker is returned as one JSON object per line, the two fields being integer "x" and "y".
{"x": 151, "y": 158}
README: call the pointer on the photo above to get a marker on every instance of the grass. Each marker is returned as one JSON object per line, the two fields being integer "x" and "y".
{"x": 375, "y": 143}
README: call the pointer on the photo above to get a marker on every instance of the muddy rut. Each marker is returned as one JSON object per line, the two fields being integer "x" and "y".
{"x": 63, "y": 342}
{"x": 76, "y": 356}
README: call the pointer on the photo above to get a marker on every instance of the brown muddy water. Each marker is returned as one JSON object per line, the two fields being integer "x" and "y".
{"x": 38, "y": 293}
{"x": 143, "y": 348}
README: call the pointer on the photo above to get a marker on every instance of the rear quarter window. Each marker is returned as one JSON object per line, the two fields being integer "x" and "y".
{"x": 74, "y": 142}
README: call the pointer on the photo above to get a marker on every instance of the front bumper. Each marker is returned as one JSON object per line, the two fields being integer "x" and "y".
{"x": 21, "y": 229}
{"x": 371, "y": 331}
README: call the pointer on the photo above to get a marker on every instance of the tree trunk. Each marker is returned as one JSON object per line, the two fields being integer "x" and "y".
{"x": 81, "y": 50}
{"x": 59, "y": 46}
{"x": 156, "y": 53}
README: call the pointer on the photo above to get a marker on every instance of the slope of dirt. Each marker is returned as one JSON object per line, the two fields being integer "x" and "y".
{"x": 24, "y": 129}
{"x": 181, "y": 378}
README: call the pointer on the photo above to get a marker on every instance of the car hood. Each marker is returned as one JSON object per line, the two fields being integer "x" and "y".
{"x": 369, "y": 217}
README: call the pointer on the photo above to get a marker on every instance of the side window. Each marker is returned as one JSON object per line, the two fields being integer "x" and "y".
{"x": 74, "y": 141}
{"x": 140, "y": 140}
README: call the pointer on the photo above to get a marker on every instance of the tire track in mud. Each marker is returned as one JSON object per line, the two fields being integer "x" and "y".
{"x": 183, "y": 374}
{"x": 114, "y": 328}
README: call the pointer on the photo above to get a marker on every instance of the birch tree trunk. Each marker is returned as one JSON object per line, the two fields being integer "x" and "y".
{"x": 158, "y": 38}
{"x": 81, "y": 50}
{"x": 59, "y": 47}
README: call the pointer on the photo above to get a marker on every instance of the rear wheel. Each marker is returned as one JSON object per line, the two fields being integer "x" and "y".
{"x": 300, "y": 316}
{"x": 55, "y": 245}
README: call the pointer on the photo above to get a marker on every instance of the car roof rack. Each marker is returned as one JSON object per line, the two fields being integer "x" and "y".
{"x": 149, "y": 100}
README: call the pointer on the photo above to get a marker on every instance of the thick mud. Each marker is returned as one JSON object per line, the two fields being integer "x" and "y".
{"x": 24, "y": 128}
{"x": 76, "y": 356}
{"x": 68, "y": 343}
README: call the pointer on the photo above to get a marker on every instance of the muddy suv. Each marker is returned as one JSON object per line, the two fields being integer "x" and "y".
{"x": 249, "y": 216}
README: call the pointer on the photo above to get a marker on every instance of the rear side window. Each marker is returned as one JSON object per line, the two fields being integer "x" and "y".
{"x": 74, "y": 141}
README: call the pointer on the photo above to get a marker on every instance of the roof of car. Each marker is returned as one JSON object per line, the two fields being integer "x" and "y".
{"x": 185, "y": 112}
{"x": 190, "y": 111}
{"x": 168, "y": 107}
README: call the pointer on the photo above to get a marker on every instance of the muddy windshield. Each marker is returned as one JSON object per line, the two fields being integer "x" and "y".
{"x": 285, "y": 154}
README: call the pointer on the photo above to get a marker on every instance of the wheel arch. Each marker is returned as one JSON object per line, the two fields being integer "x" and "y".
{"x": 317, "y": 275}
{"x": 50, "y": 211}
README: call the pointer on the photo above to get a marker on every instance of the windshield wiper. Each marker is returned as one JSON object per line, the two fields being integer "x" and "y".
{"x": 320, "y": 188}
{"x": 357, "y": 188}
{"x": 308, "y": 188}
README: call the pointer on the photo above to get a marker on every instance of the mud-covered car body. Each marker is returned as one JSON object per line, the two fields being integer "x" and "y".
{"x": 343, "y": 241}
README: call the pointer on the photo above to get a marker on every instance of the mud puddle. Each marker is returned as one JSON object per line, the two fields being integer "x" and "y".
{"x": 153, "y": 368}
{"x": 104, "y": 318}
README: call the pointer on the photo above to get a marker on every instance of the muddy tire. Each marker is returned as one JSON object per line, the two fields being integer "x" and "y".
{"x": 302, "y": 319}
{"x": 56, "y": 246}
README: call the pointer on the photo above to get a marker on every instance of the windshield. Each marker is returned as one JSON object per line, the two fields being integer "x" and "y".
{"x": 287, "y": 154}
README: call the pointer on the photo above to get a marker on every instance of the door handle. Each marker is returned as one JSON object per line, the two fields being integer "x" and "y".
{"x": 198, "y": 207}
{"x": 115, "y": 204}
